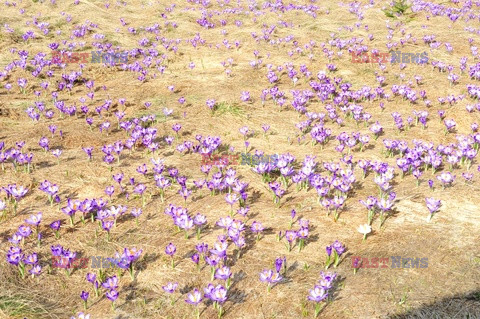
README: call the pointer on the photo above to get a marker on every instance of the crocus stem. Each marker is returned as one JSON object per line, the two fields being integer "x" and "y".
{"x": 131, "y": 271}
{"x": 317, "y": 309}
{"x": 337, "y": 259}
{"x": 21, "y": 268}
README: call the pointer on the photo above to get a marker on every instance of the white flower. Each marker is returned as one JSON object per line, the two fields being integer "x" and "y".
{"x": 364, "y": 229}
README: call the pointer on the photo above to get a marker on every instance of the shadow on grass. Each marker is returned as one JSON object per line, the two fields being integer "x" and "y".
{"x": 464, "y": 306}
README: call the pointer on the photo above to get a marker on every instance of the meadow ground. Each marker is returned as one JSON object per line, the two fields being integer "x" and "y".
{"x": 170, "y": 45}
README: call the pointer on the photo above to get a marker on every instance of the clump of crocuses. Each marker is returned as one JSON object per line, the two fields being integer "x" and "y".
{"x": 334, "y": 252}
{"x": 319, "y": 293}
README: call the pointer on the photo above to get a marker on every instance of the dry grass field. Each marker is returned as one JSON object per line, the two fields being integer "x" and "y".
{"x": 294, "y": 58}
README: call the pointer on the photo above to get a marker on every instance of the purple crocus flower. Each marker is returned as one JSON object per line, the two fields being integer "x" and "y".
{"x": 433, "y": 206}
{"x": 34, "y": 220}
{"x": 84, "y": 296}
{"x": 224, "y": 273}
{"x": 195, "y": 258}
{"x": 339, "y": 248}
{"x": 245, "y": 96}
{"x": 279, "y": 262}
{"x": 88, "y": 151}
{"x": 219, "y": 295}
{"x": 270, "y": 277}
{"x": 446, "y": 178}
{"x": 43, "y": 142}
{"x": 291, "y": 236}
{"x": 244, "y": 131}
{"x": 31, "y": 259}
{"x": 35, "y": 270}
{"x": 91, "y": 277}
{"x": 211, "y": 103}
{"x": 170, "y": 287}
{"x": 170, "y": 251}
{"x": 317, "y": 294}
{"x": 111, "y": 283}
{"x": 109, "y": 190}
{"x": 257, "y": 228}
{"x": 56, "y": 227}
{"x": 107, "y": 226}
{"x": 194, "y": 298}
{"x": 24, "y": 231}
{"x": 112, "y": 295}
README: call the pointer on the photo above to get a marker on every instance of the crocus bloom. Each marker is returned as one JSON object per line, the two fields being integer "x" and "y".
{"x": 317, "y": 294}
{"x": 257, "y": 228}
{"x": 194, "y": 298}
{"x": 170, "y": 287}
{"x": 219, "y": 294}
{"x": 111, "y": 283}
{"x": 81, "y": 315}
{"x": 112, "y": 295}
{"x": 245, "y": 96}
{"x": 279, "y": 262}
{"x": 364, "y": 229}
{"x": 84, "y": 296}
{"x": 270, "y": 277}
{"x": 36, "y": 270}
{"x": 433, "y": 206}
{"x": 291, "y": 236}
{"x": 446, "y": 178}
{"x": 34, "y": 220}
{"x": 170, "y": 249}
{"x": 223, "y": 273}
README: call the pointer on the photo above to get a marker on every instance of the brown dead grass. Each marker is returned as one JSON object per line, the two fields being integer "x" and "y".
{"x": 449, "y": 241}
